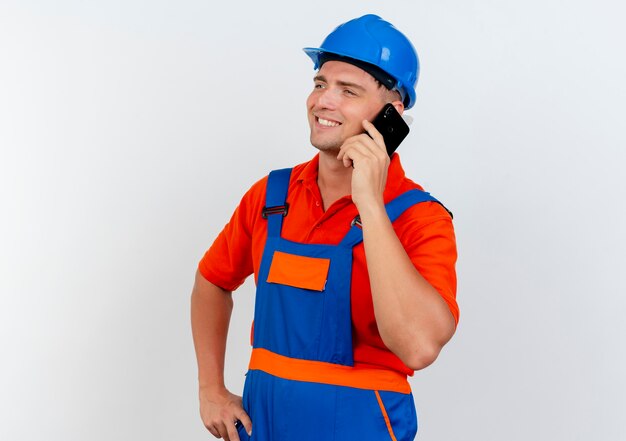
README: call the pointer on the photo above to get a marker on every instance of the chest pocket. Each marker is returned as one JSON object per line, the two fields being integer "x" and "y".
{"x": 299, "y": 271}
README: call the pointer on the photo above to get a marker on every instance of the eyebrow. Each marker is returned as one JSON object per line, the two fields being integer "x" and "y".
{"x": 341, "y": 83}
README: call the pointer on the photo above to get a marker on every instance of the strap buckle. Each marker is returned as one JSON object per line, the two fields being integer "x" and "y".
{"x": 277, "y": 209}
{"x": 356, "y": 221}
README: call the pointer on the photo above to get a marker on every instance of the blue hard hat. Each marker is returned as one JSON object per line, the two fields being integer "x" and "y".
{"x": 370, "y": 39}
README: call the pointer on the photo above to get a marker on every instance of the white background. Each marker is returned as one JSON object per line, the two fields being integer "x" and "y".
{"x": 129, "y": 130}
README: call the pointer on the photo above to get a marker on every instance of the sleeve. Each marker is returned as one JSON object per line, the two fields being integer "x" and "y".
{"x": 430, "y": 242}
{"x": 228, "y": 262}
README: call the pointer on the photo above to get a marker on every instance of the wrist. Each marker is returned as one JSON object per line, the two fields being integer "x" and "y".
{"x": 373, "y": 212}
{"x": 212, "y": 390}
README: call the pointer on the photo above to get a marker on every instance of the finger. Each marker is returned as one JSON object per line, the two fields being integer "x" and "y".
{"x": 372, "y": 150}
{"x": 375, "y": 134}
{"x": 347, "y": 162}
{"x": 222, "y": 431}
{"x": 353, "y": 155}
{"x": 372, "y": 130}
{"x": 213, "y": 430}
{"x": 370, "y": 145}
{"x": 342, "y": 150}
{"x": 358, "y": 141}
{"x": 341, "y": 156}
{"x": 231, "y": 433}
{"x": 377, "y": 151}
{"x": 246, "y": 421}
{"x": 352, "y": 141}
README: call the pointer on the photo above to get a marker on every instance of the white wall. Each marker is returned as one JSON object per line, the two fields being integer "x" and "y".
{"x": 130, "y": 129}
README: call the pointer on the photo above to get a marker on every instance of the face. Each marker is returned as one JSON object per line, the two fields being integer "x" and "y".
{"x": 343, "y": 96}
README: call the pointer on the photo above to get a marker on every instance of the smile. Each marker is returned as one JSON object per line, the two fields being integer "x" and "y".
{"x": 327, "y": 122}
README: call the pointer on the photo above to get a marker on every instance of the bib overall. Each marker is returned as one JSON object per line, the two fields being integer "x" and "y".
{"x": 301, "y": 384}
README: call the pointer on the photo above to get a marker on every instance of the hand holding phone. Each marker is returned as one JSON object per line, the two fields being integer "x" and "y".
{"x": 391, "y": 125}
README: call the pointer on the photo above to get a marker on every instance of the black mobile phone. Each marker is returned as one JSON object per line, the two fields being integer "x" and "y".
{"x": 391, "y": 125}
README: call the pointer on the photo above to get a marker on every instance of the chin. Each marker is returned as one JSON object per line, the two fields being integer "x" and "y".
{"x": 327, "y": 147}
{"x": 330, "y": 150}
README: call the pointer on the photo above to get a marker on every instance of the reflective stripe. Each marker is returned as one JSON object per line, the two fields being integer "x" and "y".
{"x": 328, "y": 373}
{"x": 385, "y": 416}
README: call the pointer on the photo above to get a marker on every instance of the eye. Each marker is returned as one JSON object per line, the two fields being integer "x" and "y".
{"x": 349, "y": 92}
{"x": 318, "y": 86}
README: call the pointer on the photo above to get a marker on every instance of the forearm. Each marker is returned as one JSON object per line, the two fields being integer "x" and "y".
{"x": 413, "y": 319}
{"x": 211, "y": 309}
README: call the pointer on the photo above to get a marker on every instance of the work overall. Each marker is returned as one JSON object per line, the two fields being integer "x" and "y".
{"x": 301, "y": 385}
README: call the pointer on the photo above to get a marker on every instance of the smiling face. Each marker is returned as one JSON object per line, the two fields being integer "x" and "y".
{"x": 343, "y": 96}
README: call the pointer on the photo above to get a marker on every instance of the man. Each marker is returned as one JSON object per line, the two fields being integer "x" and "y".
{"x": 347, "y": 306}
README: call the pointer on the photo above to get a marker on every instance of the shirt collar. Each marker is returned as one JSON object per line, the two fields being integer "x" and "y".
{"x": 308, "y": 173}
{"x": 395, "y": 176}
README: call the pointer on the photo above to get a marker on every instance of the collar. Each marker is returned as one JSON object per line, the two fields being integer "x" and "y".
{"x": 395, "y": 176}
{"x": 308, "y": 173}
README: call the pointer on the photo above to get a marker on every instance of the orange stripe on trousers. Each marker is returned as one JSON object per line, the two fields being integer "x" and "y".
{"x": 384, "y": 411}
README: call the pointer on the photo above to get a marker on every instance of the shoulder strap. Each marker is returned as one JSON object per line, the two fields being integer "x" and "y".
{"x": 405, "y": 201}
{"x": 394, "y": 209}
{"x": 276, "y": 200}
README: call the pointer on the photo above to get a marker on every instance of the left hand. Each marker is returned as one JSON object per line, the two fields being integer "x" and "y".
{"x": 368, "y": 155}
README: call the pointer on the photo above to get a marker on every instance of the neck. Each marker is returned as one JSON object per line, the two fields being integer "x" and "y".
{"x": 333, "y": 179}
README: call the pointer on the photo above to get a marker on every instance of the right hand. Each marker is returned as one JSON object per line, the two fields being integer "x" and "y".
{"x": 219, "y": 412}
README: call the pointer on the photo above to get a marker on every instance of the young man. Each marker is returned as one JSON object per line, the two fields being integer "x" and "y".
{"x": 347, "y": 306}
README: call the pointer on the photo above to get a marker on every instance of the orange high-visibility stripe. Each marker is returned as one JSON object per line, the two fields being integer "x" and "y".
{"x": 385, "y": 416}
{"x": 328, "y": 373}
{"x": 299, "y": 271}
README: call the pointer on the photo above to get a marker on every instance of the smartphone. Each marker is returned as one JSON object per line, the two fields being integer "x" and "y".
{"x": 391, "y": 125}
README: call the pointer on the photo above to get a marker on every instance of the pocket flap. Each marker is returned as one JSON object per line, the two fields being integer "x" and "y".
{"x": 299, "y": 271}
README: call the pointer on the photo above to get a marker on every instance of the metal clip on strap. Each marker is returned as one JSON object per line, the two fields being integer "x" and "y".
{"x": 278, "y": 209}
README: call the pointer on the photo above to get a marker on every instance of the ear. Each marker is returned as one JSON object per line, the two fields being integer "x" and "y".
{"x": 399, "y": 105}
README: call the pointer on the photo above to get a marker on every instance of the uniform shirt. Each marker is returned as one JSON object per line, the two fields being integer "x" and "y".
{"x": 425, "y": 230}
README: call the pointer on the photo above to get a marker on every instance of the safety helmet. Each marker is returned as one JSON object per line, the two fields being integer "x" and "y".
{"x": 370, "y": 39}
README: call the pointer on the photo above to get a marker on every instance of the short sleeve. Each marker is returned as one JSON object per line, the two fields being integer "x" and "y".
{"x": 429, "y": 240}
{"x": 229, "y": 261}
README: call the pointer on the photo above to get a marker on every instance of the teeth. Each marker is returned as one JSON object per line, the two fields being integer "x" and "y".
{"x": 327, "y": 123}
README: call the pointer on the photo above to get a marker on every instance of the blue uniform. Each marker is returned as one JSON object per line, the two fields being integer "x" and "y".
{"x": 301, "y": 384}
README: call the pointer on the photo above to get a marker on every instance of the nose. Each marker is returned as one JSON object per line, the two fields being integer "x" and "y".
{"x": 326, "y": 98}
